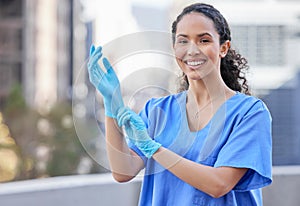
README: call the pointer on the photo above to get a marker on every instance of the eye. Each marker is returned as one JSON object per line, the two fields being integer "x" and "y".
{"x": 181, "y": 41}
{"x": 204, "y": 40}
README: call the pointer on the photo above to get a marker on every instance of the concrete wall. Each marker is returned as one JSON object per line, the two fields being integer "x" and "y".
{"x": 284, "y": 191}
{"x": 102, "y": 190}
{"x": 83, "y": 190}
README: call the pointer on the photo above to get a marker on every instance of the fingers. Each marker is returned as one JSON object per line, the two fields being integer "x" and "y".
{"x": 124, "y": 119}
{"x": 107, "y": 65}
{"x": 93, "y": 66}
{"x": 93, "y": 50}
{"x": 95, "y": 55}
{"x": 123, "y": 116}
{"x": 137, "y": 122}
{"x": 95, "y": 58}
{"x": 128, "y": 117}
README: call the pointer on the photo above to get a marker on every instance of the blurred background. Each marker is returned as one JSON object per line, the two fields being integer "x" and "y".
{"x": 44, "y": 47}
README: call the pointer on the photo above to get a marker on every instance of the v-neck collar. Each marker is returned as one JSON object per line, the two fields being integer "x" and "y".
{"x": 185, "y": 121}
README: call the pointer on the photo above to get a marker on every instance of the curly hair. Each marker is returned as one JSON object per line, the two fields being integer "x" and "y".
{"x": 233, "y": 65}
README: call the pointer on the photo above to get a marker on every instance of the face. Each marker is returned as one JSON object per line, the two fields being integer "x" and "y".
{"x": 197, "y": 46}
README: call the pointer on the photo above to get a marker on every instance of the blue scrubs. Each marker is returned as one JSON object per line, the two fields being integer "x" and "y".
{"x": 238, "y": 135}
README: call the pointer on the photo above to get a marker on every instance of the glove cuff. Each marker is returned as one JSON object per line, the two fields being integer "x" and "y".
{"x": 150, "y": 148}
{"x": 107, "y": 108}
{"x": 112, "y": 109}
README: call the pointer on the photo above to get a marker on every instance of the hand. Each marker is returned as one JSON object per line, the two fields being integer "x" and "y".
{"x": 136, "y": 131}
{"x": 106, "y": 83}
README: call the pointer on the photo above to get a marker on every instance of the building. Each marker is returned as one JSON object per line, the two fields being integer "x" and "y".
{"x": 283, "y": 104}
{"x": 11, "y": 29}
{"x": 42, "y": 47}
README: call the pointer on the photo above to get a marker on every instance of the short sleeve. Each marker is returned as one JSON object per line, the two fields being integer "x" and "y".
{"x": 250, "y": 146}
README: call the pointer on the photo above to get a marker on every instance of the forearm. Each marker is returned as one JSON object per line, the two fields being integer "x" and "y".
{"x": 124, "y": 163}
{"x": 214, "y": 181}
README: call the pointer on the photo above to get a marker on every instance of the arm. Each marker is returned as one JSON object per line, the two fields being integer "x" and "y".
{"x": 214, "y": 181}
{"x": 125, "y": 164}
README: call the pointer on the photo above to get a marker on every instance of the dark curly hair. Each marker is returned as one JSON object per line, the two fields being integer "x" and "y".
{"x": 233, "y": 65}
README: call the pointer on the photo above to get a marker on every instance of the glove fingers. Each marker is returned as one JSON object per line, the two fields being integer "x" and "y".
{"x": 96, "y": 50}
{"x": 97, "y": 74}
{"x": 125, "y": 114}
{"x": 92, "y": 49}
{"x": 107, "y": 65}
{"x": 123, "y": 118}
{"x": 95, "y": 57}
{"x": 137, "y": 122}
{"x": 94, "y": 66}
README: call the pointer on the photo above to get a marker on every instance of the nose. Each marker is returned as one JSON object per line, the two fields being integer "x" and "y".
{"x": 193, "y": 49}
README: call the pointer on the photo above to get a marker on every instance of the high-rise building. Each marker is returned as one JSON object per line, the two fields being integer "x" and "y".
{"x": 11, "y": 44}
{"x": 42, "y": 43}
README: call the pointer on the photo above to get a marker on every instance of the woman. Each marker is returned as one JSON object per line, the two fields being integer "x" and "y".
{"x": 210, "y": 144}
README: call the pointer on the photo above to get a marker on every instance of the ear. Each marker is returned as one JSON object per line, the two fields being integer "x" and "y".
{"x": 224, "y": 48}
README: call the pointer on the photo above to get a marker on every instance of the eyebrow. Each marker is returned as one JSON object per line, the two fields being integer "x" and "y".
{"x": 199, "y": 35}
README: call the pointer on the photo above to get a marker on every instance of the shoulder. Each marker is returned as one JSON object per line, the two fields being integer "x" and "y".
{"x": 248, "y": 102}
{"x": 246, "y": 105}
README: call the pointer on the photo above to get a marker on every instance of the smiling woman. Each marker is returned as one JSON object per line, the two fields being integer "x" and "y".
{"x": 197, "y": 46}
{"x": 232, "y": 63}
{"x": 221, "y": 156}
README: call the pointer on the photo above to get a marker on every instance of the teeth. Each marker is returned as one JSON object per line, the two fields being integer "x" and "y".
{"x": 194, "y": 63}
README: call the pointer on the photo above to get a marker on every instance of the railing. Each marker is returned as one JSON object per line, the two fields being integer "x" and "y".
{"x": 102, "y": 190}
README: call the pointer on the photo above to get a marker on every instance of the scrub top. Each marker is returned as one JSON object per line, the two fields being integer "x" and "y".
{"x": 238, "y": 135}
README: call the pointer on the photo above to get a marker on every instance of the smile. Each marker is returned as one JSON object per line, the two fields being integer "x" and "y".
{"x": 195, "y": 63}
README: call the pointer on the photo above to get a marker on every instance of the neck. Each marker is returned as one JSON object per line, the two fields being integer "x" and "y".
{"x": 205, "y": 91}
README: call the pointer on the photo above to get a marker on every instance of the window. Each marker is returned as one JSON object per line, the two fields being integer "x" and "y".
{"x": 10, "y": 45}
{"x": 262, "y": 45}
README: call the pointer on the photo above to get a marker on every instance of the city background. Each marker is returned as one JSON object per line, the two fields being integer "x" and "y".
{"x": 44, "y": 87}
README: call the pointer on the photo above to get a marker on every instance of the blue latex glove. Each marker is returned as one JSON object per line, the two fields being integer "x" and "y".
{"x": 136, "y": 131}
{"x": 106, "y": 83}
